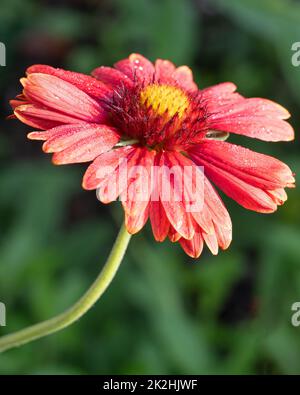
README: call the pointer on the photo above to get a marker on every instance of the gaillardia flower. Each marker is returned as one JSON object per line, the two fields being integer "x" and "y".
{"x": 140, "y": 115}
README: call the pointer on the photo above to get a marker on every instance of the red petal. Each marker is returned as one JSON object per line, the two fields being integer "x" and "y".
{"x": 255, "y": 107}
{"x": 164, "y": 70}
{"x": 112, "y": 77}
{"x": 207, "y": 208}
{"x": 279, "y": 196}
{"x": 216, "y": 207}
{"x": 211, "y": 242}
{"x": 135, "y": 222}
{"x": 43, "y": 135}
{"x": 60, "y": 130}
{"x": 173, "y": 235}
{"x": 104, "y": 166}
{"x": 84, "y": 82}
{"x": 193, "y": 247}
{"x": 64, "y": 136}
{"x": 221, "y": 236}
{"x": 219, "y": 95}
{"x": 173, "y": 202}
{"x": 42, "y": 118}
{"x": 184, "y": 77}
{"x": 192, "y": 182}
{"x": 159, "y": 221}
{"x": 260, "y": 127}
{"x": 224, "y": 236}
{"x": 117, "y": 182}
{"x": 259, "y": 170}
{"x": 193, "y": 192}
{"x": 18, "y": 101}
{"x": 139, "y": 186}
{"x": 62, "y": 96}
{"x": 82, "y": 149}
{"x": 255, "y": 117}
{"x": 245, "y": 194}
{"x": 136, "y": 67}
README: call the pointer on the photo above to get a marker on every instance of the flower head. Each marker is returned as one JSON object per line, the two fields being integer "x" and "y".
{"x": 155, "y": 140}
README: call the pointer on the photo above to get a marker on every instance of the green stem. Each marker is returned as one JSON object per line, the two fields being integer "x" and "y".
{"x": 80, "y": 307}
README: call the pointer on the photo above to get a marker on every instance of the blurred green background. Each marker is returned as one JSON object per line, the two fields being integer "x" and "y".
{"x": 164, "y": 313}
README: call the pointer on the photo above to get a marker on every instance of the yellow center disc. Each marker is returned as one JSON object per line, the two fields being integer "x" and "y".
{"x": 165, "y": 100}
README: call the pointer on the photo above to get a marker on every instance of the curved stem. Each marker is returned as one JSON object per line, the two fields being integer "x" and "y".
{"x": 80, "y": 307}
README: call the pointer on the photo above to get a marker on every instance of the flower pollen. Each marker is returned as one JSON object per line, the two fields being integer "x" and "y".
{"x": 165, "y": 99}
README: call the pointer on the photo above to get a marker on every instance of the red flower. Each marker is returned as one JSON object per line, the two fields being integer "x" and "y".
{"x": 142, "y": 116}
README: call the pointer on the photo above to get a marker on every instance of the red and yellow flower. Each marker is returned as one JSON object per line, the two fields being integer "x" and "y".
{"x": 154, "y": 116}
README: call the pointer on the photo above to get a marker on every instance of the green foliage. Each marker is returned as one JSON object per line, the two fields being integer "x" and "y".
{"x": 276, "y": 20}
{"x": 158, "y": 29}
{"x": 164, "y": 313}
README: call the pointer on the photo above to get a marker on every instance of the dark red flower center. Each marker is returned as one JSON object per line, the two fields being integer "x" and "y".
{"x": 159, "y": 116}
